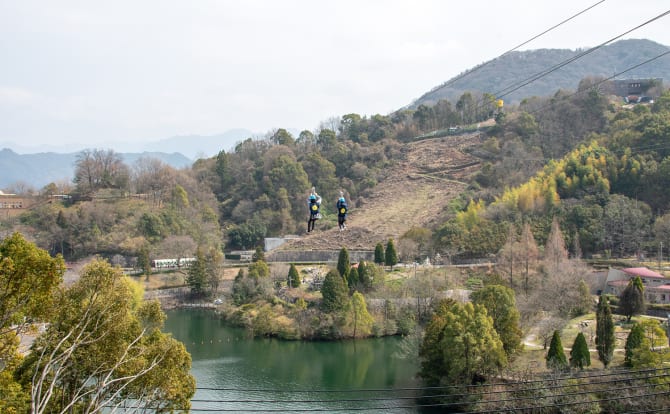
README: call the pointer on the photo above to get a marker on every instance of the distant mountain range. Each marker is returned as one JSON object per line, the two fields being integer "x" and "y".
{"x": 499, "y": 75}
{"x": 495, "y": 76}
{"x": 38, "y": 170}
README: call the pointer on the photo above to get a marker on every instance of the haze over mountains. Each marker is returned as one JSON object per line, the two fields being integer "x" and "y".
{"x": 40, "y": 166}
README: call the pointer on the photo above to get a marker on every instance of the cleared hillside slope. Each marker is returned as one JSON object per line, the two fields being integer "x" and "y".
{"x": 414, "y": 193}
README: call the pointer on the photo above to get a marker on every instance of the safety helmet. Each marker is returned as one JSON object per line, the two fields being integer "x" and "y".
{"x": 341, "y": 199}
{"x": 312, "y": 197}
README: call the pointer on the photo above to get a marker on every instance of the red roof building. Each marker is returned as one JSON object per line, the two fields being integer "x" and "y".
{"x": 656, "y": 286}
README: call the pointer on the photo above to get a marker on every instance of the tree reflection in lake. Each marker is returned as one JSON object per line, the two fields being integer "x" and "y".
{"x": 232, "y": 370}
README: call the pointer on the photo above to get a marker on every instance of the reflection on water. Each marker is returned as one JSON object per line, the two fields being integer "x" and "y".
{"x": 236, "y": 373}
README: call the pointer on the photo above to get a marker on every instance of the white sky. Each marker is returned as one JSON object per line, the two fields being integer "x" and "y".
{"x": 97, "y": 72}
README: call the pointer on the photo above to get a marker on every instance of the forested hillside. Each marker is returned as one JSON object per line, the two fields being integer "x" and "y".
{"x": 497, "y": 75}
{"x": 412, "y": 176}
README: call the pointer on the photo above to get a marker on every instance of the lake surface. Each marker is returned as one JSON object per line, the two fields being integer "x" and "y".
{"x": 235, "y": 373}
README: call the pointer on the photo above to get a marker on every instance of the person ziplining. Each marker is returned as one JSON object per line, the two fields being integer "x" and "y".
{"x": 313, "y": 204}
{"x": 342, "y": 209}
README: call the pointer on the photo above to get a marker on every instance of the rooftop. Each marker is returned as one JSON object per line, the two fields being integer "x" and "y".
{"x": 642, "y": 272}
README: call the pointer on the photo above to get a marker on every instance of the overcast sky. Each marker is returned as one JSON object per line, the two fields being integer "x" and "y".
{"x": 103, "y": 72}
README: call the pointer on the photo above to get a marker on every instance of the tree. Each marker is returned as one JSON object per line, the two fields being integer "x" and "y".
{"x": 579, "y": 354}
{"x": 104, "y": 349}
{"x": 197, "y": 274}
{"x": 28, "y": 280}
{"x": 364, "y": 275}
{"x": 343, "y": 264}
{"x": 654, "y": 333}
{"x": 379, "y": 254}
{"x": 460, "y": 345}
{"x": 556, "y": 357}
{"x": 642, "y": 351}
{"x": 359, "y": 317}
{"x": 28, "y": 277}
{"x": 633, "y": 342}
{"x": 507, "y": 256}
{"x": 500, "y": 305}
{"x": 627, "y": 223}
{"x": 530, "y": 254}
{"x": 555, "y": 252}
{"x": 546, "y": 328}
{"x": 96, "y": 169}
{"x": 293, "y": 277}
{"x": 334, "y": 291}
{"x": 585, "y": 299}
{"x": 390, "y": 255}
{"x": 605, "y": 339}
{"x": 258, "y": 255}
{"x": 631, "y": 299}
{"x": 353, "y": 280}
{"x": 143, "y": 260}
{"x": 180, "y": 198}
{"x": 213, "y": 269}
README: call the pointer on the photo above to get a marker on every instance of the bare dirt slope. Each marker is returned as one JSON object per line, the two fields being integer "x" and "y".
{"x": 413, "y": 193}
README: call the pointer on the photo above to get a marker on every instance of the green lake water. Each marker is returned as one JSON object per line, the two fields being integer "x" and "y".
{"x": 235, "y": 373}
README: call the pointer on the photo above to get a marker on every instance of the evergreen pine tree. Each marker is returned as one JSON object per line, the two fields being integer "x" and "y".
{"x": 353, "y": 280}
{"x": 259, "y": 255}
{"x": 556, "y": 357}
{"x": 197, "y": 274}
{"x": 143, "y": 261}
{"x": 604, "y": 331}
{"x": 334, "y": 292}
{"x": 379, "y": 254}
{"x": 579, "y": 354}
{"x": 390, "y": 255}
{"x": 293, "y": 277}
{"x": 633, "y": 341}
{"x": 364, "y": 276}
{"x": 631, "y": 300}
{"x": 343, "y": 264}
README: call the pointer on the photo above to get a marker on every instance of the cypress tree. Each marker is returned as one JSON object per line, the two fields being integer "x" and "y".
{"x": 379, "y": 254}
{"x": 144, "y": 261}
{"x": 334, "y": 291}
{"x": 633, "y": 341}
{"x": 631, "y": 300}
{"x": 197, "y": 275}
{"x": 556, "y": 357}
{"x": 364, "y": 275}
{"x": 343, "y": 264}
{"x": 293, "y": 277}
{"x": 390, "y": 255}
{"x": 604, "y": 331}
{"x": 579, "y": 354}
{"x": 353, "y": 279}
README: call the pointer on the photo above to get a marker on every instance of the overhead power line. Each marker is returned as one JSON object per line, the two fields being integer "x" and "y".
{"x": 612, "y": 372}
{"x": 479, "y": 67}
{"x": 520, "y": 84}
{"x": 606, "y": 79}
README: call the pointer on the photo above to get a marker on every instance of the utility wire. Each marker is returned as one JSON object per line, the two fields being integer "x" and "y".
{"x": 443, "y": 405}
{"x": 372, "y": 390}
{"x": 606, "y": 79}
{"x": 506, "y": 91}
{"x": 419, "y": 397}
{"x": 477, "y": 68}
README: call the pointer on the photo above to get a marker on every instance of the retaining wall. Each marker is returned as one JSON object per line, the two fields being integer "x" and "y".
{"x": 317, "y": 256}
